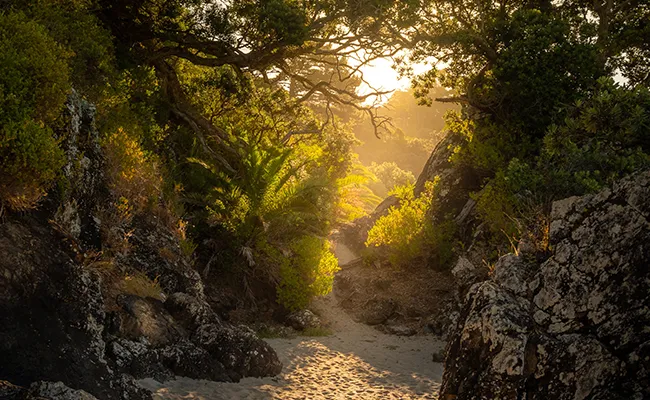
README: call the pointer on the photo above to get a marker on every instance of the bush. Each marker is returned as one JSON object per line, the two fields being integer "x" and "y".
{"x": 307, "y": 274}
{"x": 407, "y": 233}
{"x": 603, "y": 138}
{"x": 132, "y": 174}
{"x": 34, "y": 82}
{"x": 72, "y": 24}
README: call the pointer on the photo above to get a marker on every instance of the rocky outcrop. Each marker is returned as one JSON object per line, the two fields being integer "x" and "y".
{"x": 62, "y": 321}
{"x": 42, "y": 391}
{"x": 455, "y": 181}
{"x": 52, "y": 315}
{"x": 574, "y": 326}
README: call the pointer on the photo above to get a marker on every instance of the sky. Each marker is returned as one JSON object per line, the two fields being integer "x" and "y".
{"x": 381, "y": 75}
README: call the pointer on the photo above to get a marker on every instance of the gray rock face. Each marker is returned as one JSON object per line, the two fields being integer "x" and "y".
{"x": 574, "y": 327}
{"x": 239, "y": 349}
{"x": 58, "y": 391}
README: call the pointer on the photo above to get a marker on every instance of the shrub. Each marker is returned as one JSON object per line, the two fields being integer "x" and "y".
{"x": 132, "y": 174}
{"x": 34, "y": 82}
{"x": 603, "y": 138}
{"x": 401, "y": 231}
{"x": 307, "y": 274}
{"x": 72, "y": 24}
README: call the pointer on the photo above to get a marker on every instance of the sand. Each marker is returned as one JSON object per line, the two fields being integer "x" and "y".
{"x": 356, "y": 362}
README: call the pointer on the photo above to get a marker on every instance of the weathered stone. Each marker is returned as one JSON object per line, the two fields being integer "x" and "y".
{"x": 239, "y": 350}
{"x": 58, "y": 391}
{"x": 303, "y": 319}
{"x": 190, "y": 312}
{"x": 467, "y": 274}
{"x": 147, "y": 318}
{"x": 574, "y": 327}
{"x": 378, "y": 311}
{"x": 186, "y": 359}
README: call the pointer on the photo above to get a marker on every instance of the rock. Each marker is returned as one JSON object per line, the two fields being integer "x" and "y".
{"x": 155, "y": 251}
{"x": 58, "y": 391}
{"x": 513, "y": 273}
{"x": 147, "y": 318}
{"x": 52, "y": 314}
{"x": 138, "y": 360}
{"x": 239, "y": 350}
{"x": 438, "y": 356}
{"x": 186, "y": 359}
{"x": 54, "y": 327}
{"x": 378, "y": 311}
{"x": 42, "y": 391}
{"x": 303, "y": 319}
{"x": 84, "y": 172}
{"x": 9, "y": 391}
{"x": 190, "y": 312}
{"x": 466, "y": 274}
{"x": 399, "y": 330}
{"x": 455, "y": 181}
{"x": 572, "y": 327}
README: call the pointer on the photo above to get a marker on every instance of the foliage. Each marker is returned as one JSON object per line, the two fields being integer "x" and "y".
{"x": 308, "y": 273}
{"x": 390, "y": 176}
{"x": 133, "y": 175}
{"x": 406, "y": 232}
{"x": 29, "y": 104}
{"x": 355, "y": 196}
{"x": 603, "y": 138}
{"x": 71, "y": 23}
{"x": 317, "y": 332}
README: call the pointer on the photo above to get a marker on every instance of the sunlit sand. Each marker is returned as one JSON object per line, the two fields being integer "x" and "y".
{"x": 356, "y": 362}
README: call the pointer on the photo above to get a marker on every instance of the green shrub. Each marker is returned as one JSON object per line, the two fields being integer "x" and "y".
{"x": 407, "y": 233}
{"x": 308, "y": 273}
{"x": 603, "y": 138}
{"x": 402, "y": 230}
{"x": 34, "y": 82}
{"x": 72, "y": 24}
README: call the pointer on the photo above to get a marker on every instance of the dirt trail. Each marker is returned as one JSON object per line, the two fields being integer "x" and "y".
{"x": 356, "y": 362}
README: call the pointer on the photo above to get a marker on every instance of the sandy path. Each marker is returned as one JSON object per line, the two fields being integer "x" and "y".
{"x": 357, "y": 362}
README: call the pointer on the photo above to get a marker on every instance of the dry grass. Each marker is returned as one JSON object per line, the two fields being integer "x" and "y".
{"x": 20, "y": 198}
{"x": 140, "y": 285}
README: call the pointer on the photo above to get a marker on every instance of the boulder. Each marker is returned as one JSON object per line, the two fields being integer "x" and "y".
{"x": 239, "y": 349}
{"x": 146, "y": 318}
{"x": 574, "y": 326}
{"x": 378, "y": 311}
{"x": 303, "y": 319}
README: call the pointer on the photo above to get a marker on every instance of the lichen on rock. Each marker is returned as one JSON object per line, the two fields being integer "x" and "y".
{"x": 574, "y": 326}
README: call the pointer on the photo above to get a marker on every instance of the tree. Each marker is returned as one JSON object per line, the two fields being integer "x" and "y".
{"x": 267, "y": 38}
